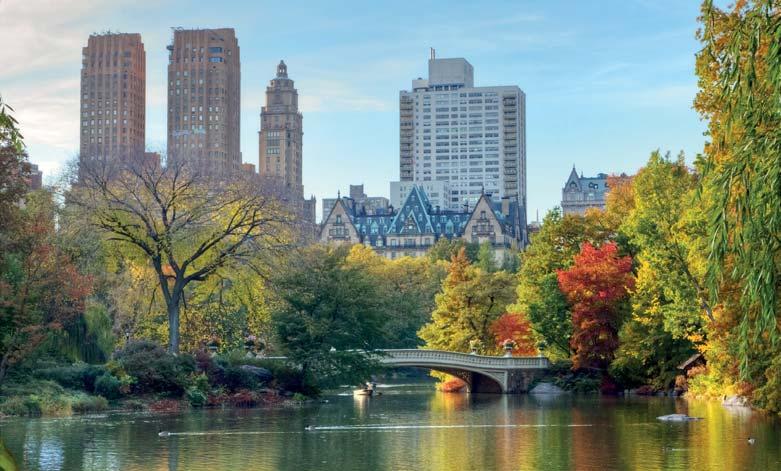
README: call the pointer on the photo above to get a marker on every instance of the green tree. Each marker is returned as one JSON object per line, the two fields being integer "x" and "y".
{"x": 14, "y": 168}
{"x": 485, "y": 258}
{"x": 470, "y": 302}
{"x": 444, "y": 249}
{"x": 406, "y": 286}
{"x": 668, "y": 232}
{"x": 329, "y": 316}
{"x": 551, "y": 317}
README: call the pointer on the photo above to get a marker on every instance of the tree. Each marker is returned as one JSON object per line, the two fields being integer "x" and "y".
{"x": 551, "y": 317}
{"x": 552, "y": 249}
{"x": 329, "y": 317}
{"x": 513, "y": 326}
{"x": 406, "y": 286}
{"x": 596, "y": 286}
{"x": 470, "y": 302}
{"x": 182, "y": 224}
{"x": 444, "y": 249}
{"x": 14, "y": 167}
{"x": 485, "y": 258}
{"x": 667, "y": 230}
{"x": 41, "y": 292}
{"x": 739, "y": 70}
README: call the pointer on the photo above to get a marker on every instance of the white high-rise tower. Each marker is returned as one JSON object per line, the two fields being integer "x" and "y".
{"x": 462, "y": 140}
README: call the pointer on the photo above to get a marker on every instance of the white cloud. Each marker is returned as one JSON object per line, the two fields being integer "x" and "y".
{"x": 338, "y": 95}
{"x": 42, "y": 34}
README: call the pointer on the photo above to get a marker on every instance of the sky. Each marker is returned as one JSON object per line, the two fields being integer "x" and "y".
{"x": 606, "y": 82}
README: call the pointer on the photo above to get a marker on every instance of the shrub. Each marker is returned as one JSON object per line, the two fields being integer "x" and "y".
{"x": 80, "y": 376}
{"x": 35, "y": 405}
{"x": 298, "y": 397}
{"x": 19, "y": 405}
{"x": 201, "y": 382}
{"x": 89, "y": 404}
{"x": 154, "y": 369}
{"x": 236, "y": 378}
{"x": 196, "y": 397}
{"x": 108, "y": 386}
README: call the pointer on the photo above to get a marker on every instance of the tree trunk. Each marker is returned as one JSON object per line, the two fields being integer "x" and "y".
{"x": 173, "y": 325}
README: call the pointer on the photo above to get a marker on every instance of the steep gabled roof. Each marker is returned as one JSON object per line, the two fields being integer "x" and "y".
{"x": 416, "y": 200}
{"x": 349, "y": 219}
{"x": 573, "y": 177}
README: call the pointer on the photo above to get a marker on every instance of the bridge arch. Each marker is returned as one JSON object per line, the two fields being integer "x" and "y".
{"x": 481, "y": 373}
{"x": 476, "y": 381}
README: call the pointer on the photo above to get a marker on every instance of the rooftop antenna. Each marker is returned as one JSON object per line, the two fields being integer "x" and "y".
{"x": 433, "y": 53}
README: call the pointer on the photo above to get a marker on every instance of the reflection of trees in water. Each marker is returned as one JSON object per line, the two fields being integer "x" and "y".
{"x": 624, "y": 434}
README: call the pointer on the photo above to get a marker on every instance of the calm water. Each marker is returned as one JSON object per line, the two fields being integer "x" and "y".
{"x": 409, "y": 427}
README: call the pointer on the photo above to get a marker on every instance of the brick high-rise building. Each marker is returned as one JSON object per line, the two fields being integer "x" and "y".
{"x": 281, "y": 135}
{"x": 204, "y": 81}
{"x": 113, "y": 95}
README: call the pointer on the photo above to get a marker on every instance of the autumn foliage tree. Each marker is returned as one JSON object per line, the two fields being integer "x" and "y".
{"x": 515, "y": 327}
{"x": 470, "y": 302}
{"x": 41, "y": 291}
{"x": 596, "y": 287}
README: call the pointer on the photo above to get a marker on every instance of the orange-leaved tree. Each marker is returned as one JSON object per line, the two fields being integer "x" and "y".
{"x": 514, "y": 326}
{"x": 596, "y": 287}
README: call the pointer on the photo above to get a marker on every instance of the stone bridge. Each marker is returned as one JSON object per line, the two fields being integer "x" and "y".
{"x": 482, "y": 374}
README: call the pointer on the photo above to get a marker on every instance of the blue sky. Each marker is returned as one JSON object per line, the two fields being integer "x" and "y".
{"x": 606, "y": 81}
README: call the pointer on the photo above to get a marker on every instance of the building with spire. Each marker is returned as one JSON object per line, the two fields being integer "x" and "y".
{"x": 281, "y": 134}
{"x": 580, "y": 193}
{"x": 280, "y": 144}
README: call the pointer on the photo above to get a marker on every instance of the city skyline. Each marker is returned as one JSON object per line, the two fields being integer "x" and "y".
{"x": 595, "y": 81}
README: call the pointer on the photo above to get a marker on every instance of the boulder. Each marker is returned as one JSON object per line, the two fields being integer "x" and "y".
{"x": 546, "y": 388}
{"x": 261, "y": 373}
{"x": 677, "y": 418}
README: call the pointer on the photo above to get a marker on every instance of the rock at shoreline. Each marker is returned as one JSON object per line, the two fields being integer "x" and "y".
{"x": 677, "y": 418}
{"x": 261, "y": 373}
{"x": 546, "y": 388}
{"x": 735, "y": 401}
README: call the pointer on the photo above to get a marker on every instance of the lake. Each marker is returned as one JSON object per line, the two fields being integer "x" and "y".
{"x": 409, "y": 427}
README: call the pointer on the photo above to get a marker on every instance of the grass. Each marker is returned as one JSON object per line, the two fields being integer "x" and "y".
{"x": 47, "y": 398}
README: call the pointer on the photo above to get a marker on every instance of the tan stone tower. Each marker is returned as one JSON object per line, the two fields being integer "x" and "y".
{"x": 281, "y": 135}
{"x": 113, "y": 95}
{"x": 204, "y": 92}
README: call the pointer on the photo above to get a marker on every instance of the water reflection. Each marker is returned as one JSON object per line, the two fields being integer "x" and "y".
{"x": 409, "y": 428}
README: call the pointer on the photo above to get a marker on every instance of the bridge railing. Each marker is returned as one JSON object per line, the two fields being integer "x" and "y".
{"x": 432, "y": 356}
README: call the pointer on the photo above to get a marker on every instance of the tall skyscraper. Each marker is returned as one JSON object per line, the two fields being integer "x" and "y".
{"x": 472, "y": 138}
{"x": 204, "y": 81}
{"x": 281, "y": 135}
{"x": 113, "y": 96}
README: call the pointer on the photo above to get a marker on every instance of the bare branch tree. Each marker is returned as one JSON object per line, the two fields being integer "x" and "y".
{"x": 187, "y": 226}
